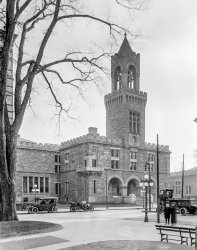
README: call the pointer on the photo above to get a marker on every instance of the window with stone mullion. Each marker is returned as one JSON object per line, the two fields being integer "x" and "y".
{"x": 134, "y": 122}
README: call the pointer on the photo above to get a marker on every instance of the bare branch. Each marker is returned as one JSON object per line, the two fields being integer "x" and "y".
{"x": 58, "y": 103}
{"x": 128, "y": 5}
{"x": 21, "y": 9}
{"x": 69, "y": 82}
{"x": 72, "y": 60}
{"x": 112, "y": 26}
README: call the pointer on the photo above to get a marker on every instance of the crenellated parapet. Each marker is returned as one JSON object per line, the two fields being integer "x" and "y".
{"x": 131, "y": 96}
{"x": 26, "y": 144}
{"x": 153, "y": 146}
{"x": 121, "y": 91}
{"x": 90, "y": 138}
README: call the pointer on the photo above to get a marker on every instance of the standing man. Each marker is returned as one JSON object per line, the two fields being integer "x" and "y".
{"x": 173, "y": 213}
{"x": 167, "y": 212}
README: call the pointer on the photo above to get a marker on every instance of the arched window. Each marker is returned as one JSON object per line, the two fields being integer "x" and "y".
{"x": 118, "y": 78}
{"x": 131, "y": 77}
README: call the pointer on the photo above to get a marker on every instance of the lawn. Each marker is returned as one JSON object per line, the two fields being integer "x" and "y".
{"x": 18, "y": 228}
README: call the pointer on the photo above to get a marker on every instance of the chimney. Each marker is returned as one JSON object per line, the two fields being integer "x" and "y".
{"x": 92, "y": 131}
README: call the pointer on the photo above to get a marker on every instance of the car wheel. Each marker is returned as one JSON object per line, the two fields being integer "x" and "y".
{"x": 54, "y": 209}
{"x": 35, "y": 210}
{"x": 183, "y": 211}
{"x": 29, "y": 210}
{"x": 72, "y": 209}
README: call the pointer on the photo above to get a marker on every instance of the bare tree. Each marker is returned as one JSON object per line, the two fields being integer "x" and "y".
{"x": 19, "y": 19}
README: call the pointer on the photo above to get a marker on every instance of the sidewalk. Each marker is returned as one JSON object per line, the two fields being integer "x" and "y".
{"x": 125, "y": 244}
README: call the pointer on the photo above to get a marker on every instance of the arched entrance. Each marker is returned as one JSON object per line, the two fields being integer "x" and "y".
{"x": 133, "y": 187}
{"x": 114, "y": 187}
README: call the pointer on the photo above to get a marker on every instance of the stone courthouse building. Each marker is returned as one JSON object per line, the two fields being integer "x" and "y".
{"x": 93, "y": 167}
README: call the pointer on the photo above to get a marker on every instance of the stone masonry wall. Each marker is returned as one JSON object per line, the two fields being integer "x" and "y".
{"x": 35, "y": 163}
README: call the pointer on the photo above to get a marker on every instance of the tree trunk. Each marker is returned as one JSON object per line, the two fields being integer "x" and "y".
{"x": 7, "y": 201}
{"x": 7, "y": 177}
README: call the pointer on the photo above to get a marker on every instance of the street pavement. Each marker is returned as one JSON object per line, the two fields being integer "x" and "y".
{"x": 115, "y": 228}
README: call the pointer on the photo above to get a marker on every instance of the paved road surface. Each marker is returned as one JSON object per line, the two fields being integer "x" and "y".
{"x": 126, "y": 226}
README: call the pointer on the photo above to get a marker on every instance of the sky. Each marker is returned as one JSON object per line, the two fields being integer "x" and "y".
{"x": 168, "y": 52}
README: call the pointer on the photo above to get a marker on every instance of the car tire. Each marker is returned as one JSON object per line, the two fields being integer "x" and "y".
{"x": 35, "y": 210}
{"x": 29, "y": 210}
{"x": 54, "y": 209}
{"x": 183, "y": 211}
{"x": 72, "y": 209}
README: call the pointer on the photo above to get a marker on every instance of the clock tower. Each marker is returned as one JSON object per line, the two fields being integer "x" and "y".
{"x": 125, "y": 105}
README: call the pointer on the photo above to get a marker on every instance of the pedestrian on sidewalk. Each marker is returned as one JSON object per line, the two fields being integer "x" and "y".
{"x": 173, "y": 213}
{"x": 167, "y": 213}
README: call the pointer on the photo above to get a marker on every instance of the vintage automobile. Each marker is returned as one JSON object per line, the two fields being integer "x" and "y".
{"x": 185, "y": 206}
{"x": 84, "y": 205}
{"x": 44, "y": 204}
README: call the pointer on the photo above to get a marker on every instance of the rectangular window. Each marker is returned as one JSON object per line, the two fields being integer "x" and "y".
{"x": 36, "y": 182}
{"x": 133, "y": 165}
{"x": 30, "y": 184}
{"x": 133, "y": 155}
{"x": 46, "y": 185}
{"x": 134, "y": 122}
{"x": 150, "y": 157}
{"x": 66, "y": 187}
{"x": 178, "y": 187}
{"x": 188, "y": 189}
{"x": 114, "y": 164}
{"x": 66, "y": 156}
{"x": 41, "y": 185}
{"x": 25, "y": 199}
{"x": 115, "y": 153}
{"x": 93, "y": 163}
{"x": 57, "y": 168}
{"x": 57, "y": 158}
{"x": 24, "y": 184}
{"x": 94, "y": 186}
{"x": 85, "y": 163}
{"x": 85, "y": 187}
{"x": 57, "y": 188}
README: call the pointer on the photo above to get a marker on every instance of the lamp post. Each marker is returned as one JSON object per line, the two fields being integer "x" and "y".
{"x": 143, "y": 191}
{"x": 35, "y": 189}
{"x": 146, "y": 183}
{"x": 148, "y": 169}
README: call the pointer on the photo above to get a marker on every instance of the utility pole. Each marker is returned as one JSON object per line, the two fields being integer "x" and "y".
{"x": 106, "y": 190}
{"x": 149, "y": 174}
{"x": 182, "y": 187}
{"x": 158, "y": 201}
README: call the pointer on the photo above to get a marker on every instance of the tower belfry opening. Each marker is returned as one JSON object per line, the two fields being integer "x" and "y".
{"x": 125, "y": 105}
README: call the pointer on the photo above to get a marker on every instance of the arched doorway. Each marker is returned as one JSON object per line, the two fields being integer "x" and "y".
{"x": 114, "y": 187}
{"x": 133, "y": 187}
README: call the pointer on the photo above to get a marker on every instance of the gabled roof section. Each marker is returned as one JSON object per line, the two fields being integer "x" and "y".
{"x": 125, "y": 47}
